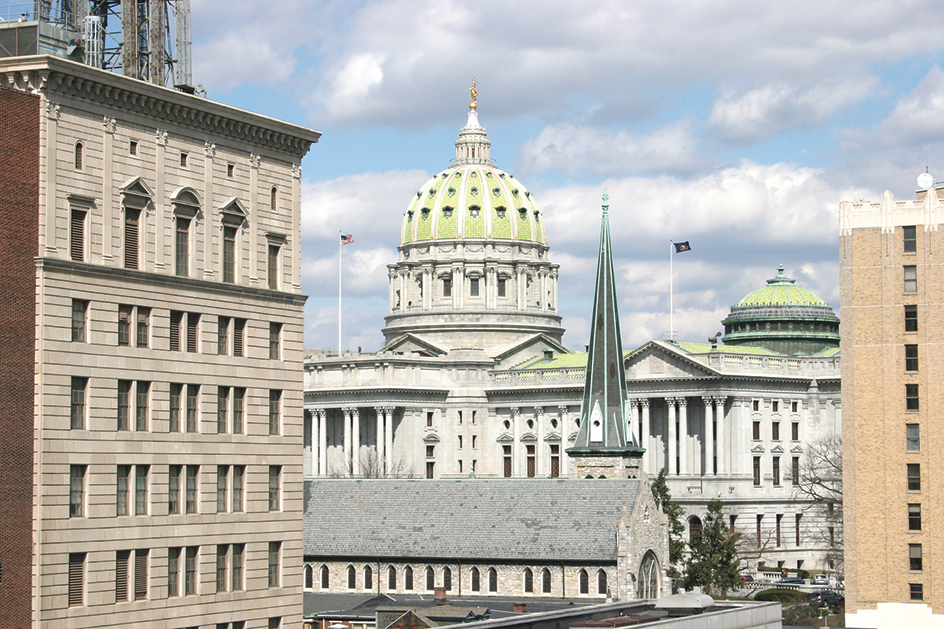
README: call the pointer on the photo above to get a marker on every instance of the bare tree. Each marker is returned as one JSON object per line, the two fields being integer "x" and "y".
{"x": 370, "y": 465}
{"x": 819, "y": 483}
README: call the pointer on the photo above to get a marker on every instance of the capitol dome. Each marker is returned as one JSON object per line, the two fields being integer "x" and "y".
{"x": 784, "y": 318}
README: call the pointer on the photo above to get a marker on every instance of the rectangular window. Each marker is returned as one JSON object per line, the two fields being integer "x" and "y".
{"x": 239, "y": 395}
{"x": 275, "y": 477}
{"x": 911, "y": 318}
{"x": 173, "y": 488}
{"x": 795, "y": 431}
{"x": 140, "y": 574}
{"x": 506, "y": 461}
{"x": 125, "y": 313}
{"x": 222, "y": 406}
{"x": 914, "y": 517}
{"x": 76, "y": 491}
{"x": 193, "y": 393}
{"x": 911, "y": 397}
{"x": 911, "y": 358}
{"x": 910, "y": 239}
{"x": 555, "y": 460}
{"x": 917, "y": 591}
{"x": 275, "y": 623}
{"x": 794, "y": 407}
{"x": 193, "y": 472}
{"x": 183, "y": 159}
{"x": 430, "y": 451}
{"x": 237, "y": 572}
{"x": 229, "y": 254}
{"x": 796, "y": 525}
{"x": 531, "y": 462}
{"x": 176, "y": 391}
{"x": 760, "y": 519}
{"x": 77, "y": 403}
{"x": 911, "y": 279}
{"x": 222, "y": 482}
{"x": 776, "y": 470}
{"x": 275, "y": 341}
{"x": 914, "y": 477}
{"x": 77, "y": 235}
{"x": 122, "y": 557}
{"x": 915, "y": 562}
{"x": 429, "y": 419}
{"x": 132, "y": 148}
{"x": 755, "y": 434}
{"x": 447, "y": 287}
{"x": 222, "y": 559}
{"x": 430, "y": 469}
{"x": 775, "y": 406}
{"x": 756, "y": 471}
{"x": 143, "y": 327}
{"x": 76, "y": 579}
{"x": 79, "y": 318}
{"x": 275, "y": 411}
{"x": 796, "y": 470}
{"x": 222, "y": 335}
{"x": 193, "y": 331}
{"x": 182, "y": 247}
{"x": 122, "y": 489}
{"x": 775, "y": 431}
{"x": 190, "y": 570}
{"x": 273, "y": 267}
{"x": 124, "y": 404}
{"x": 239, "y": 330}
{"x": 141, "y": 404}
{"x": 141, "y": 489}
{"x": 176, "y": 318}
{"x": 755, "y": 406}
{"x": 474, "y": 287}
{"x": 239, "y": 474}
{"x": 777, "y": 532}
{"x": 501, "y": 287}
{"x": 912, "y": 437}
{"x": 275, "y": 550}
{"x": 173, "y": 572}
{"x": 132, "y": 217}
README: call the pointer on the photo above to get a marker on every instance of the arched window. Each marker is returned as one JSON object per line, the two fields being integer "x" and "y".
{"x": 601, "y": 582}
{"x": 325, "y": 581}
{"x": 694, "y": 527}
{"x": 649, "y": 576}
{"x": 584, "y": 582}
{"x": 528, "y": 580}
{"x": 474, "y": 578}
{"x": 368, "y": 578}
{"x": 430, "y": 578}
{"x": 492, "y": 580}
{"x": 309, "y": 578}
{"x": 78, "y": 156}
{"x": 351, "y": 578}
{"x": 408, "y": 579}
{"x": 391, "y": 578}
{"x": 546, "y": 581}
{"x": 274, "y": 199}
{"x": 447, "y": 578}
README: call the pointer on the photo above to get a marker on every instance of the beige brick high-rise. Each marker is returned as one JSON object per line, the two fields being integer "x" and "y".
{"x": 151, "y": 344}
{"x": 892, "y": 281}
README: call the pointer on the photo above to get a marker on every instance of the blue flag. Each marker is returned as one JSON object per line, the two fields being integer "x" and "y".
{"x": 682, "y": 246}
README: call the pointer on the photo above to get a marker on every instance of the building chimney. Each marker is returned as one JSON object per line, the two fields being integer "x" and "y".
{"x": 440, "y": 594}
{"x": 521, "y": 608}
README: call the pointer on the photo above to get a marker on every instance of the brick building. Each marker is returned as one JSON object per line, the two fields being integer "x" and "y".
{"x": 151, "y": 398}
{"x": 891, "y": 282}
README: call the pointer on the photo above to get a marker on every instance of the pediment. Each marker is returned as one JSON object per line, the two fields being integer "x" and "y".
{"x": 759, "y": 449}
{"x": 572, "y": 437}
{"x": 529, "y": 436}
{"x": 777, "y": 449}
{"x": 505, "y": 437}
{"x": 527, "y": 349}
{"x": 431, "y": 437}
{"x": 136, "y": 193}
{"x": 233, "y": 212}
{"x": 797, "y": 449}
{"x": 660, "y": 360}
{"x": 410, "y": 343}
{"x": 186, "y": 201}
{"x": 552, "y": 436}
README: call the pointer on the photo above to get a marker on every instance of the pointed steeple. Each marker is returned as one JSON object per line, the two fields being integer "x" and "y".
{"x": 602, "y": 441}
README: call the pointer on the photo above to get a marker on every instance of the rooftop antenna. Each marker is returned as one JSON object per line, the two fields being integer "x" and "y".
{"x": 925, "y": 179}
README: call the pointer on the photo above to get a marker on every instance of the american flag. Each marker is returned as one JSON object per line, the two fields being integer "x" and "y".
{"x": 347, "y": 239}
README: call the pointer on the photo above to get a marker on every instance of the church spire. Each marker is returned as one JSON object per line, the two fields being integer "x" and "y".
{"x": 603, "y": 447}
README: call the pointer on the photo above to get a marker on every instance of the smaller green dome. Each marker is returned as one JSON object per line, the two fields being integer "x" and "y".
{"x": 781, "y": 291}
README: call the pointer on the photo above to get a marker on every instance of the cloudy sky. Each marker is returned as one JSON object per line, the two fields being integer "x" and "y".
{"x": 734, "y": 124}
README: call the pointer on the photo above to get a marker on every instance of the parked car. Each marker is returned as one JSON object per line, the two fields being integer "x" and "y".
{"x": 748, "y": 578}
{"x": 820, "y": 579}
{"x": 828, "y": 598}
{"x": 792, "y": 581}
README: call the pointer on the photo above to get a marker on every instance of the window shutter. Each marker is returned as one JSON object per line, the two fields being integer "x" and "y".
{"x": 131, "y": 238}
{"x": 140, "y": 574}
{"x": 239, "y": 326}
{"x": 175, "y": 318}
{"x": 121, "y": 575}
{"x": 77, "y": 236}
{"x": 193, "y": 320}
{"x": 76, "y": 579}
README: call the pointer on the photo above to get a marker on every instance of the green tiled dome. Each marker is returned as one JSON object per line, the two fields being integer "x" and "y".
{"x": 472, "y": 201}
{"x": 784, "y": 318}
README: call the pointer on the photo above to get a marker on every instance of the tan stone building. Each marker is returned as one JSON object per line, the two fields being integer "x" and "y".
{"x": 891, "y": 285}
{"x": 151, "y": 397}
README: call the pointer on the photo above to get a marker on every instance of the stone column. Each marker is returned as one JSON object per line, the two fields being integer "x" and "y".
{"x": 516, "y": 431}
{"x": 355, "y": 442}
{"x": 380, "y": 439}
{"x": 522, "y": 287}
{"x": 161, "y": 217}
{"x": 388, "y": 437}
{"x": 323, "y": 442}
{"x": 347, "y": 439}
{"x": 564, "y": 424}
{"x": 722, "y": 444}
{"x": 684, "y": 463}
{"x": 670, "y": 465}
{"x": 49, "y": 192}
{"x": 209, "y": 216}
{"x": 311, "y": 441}
{"x": 648, "y": 457}
{"x": 541, "y": 451}
{"x": 709, "y": 435}
{"x": 254, "y": 232}
{"x": 109, "y": 125}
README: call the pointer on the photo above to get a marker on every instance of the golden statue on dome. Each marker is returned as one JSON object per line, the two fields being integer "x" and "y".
{"x": 475, "y": 94}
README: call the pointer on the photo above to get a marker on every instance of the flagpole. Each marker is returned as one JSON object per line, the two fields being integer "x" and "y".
{"x": 671, "y": 291}
{"x": 339, "y": 292}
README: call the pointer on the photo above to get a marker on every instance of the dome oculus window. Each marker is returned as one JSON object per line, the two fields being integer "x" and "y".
{"x": 447, "y": 211}
{"x": 474, "y": 191}
{"x": 409, "y": 216}
{"x": 458, "y": 175}
{"x": 432, "y": 192}
{"x": 488, "y": 174}
{"x": 473, "y": 174}
{"x": 537, "y": 216}
{"x": 523, "y": 213}
{"x": 515, "y": 192}
{"x": 424, "y": 213}
{"x": 496, "y": 191}
{"x": 451, "y": 191}
{"x": 474, "y": 211}
{"x": 500, "y": 211}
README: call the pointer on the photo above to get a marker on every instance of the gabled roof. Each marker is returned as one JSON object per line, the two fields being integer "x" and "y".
{"x": 502, "y": 519}
{"x": 527, "y": 342}
{"x": 412, "y": 339}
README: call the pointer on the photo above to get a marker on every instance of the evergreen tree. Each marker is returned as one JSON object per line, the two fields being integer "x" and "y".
{"x": 663, "y": 498}
{"x": 713, "y": 562}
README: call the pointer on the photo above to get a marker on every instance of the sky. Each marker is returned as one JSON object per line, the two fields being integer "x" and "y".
{"x": 735, "y": 125}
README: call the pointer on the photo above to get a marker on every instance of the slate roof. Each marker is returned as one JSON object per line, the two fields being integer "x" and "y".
{"x": 486, "y": 520}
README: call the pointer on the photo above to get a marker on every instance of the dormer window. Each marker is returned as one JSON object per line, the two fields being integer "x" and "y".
{"x": 419, "y": 193}
{"x": 458, "y": 175}
{"x": 451, "y": 191}
{"x": 432, "y": 192}
{"x": 474, "y": 191}
{"x": 488, "y": 174}
{"x": 523, "y": 213}
{"x": 473, "y": 174}
{"x": 496, "y": 191}
{"x": 447, "y": 211}
{"x": 515, "y": 192}
{"x": 500, "y": 211}
{"x": 474, "y": 211}
{"x": 537, "y": 216}
{"x": 409, "y": 216}
{"x": 424, "y": 213}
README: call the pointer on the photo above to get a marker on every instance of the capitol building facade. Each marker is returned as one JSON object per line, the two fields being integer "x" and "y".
{"x": 473, "y": 379}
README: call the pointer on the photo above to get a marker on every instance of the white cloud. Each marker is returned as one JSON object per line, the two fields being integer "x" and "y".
{"x": 920, "y": 115}
{"x": 238, "y": 58}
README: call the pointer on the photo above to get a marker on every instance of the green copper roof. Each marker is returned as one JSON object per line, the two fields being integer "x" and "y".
{"x": 781, "y": 291}
{"x": 707, "y": 348}
{"x": 472, "y": 201}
